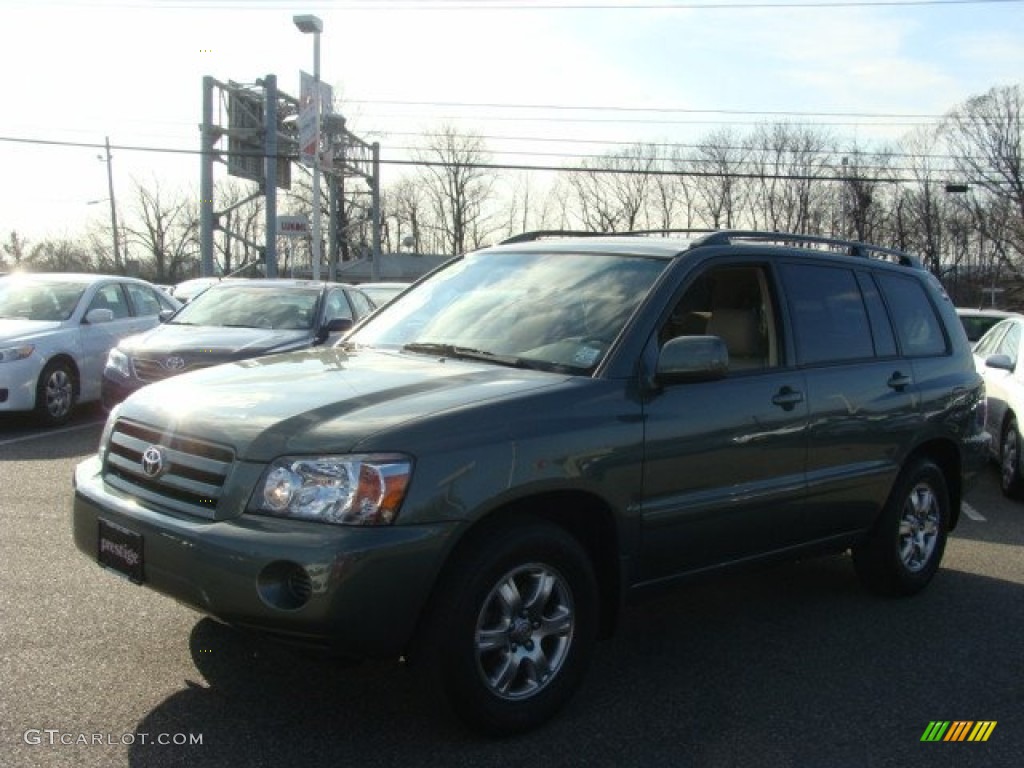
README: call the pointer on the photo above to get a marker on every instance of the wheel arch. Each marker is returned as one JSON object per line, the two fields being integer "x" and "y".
{"x": 76, "y": 375}
{"x": 585, "y": 517}
{"x": 945, "y": 454}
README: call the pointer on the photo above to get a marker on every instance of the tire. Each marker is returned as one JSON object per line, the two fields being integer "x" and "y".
{"x": 513, "y": 627}
{"x": 903, "y": 552}
{"x": 55, "y": 393}
{"x": 1010, "y": 480}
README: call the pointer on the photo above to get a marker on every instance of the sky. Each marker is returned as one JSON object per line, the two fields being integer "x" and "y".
{"x": 542, "y": 80}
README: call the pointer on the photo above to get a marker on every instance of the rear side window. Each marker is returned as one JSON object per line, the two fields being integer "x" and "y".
{"x": 145, "y": 300}
{"x": 918, "y": 328}
{"x": 830, "y": 322}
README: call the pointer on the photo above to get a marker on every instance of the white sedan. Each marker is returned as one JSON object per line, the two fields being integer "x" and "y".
{"x": 997, "y": 356}
{"x": 56, "y": 331}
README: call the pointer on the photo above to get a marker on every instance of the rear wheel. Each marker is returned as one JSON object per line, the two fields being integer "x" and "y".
{"x": 55, "y": 393}
{"x": 903, "y": 552}
{"x": 513, "y": 627}
{"x": 1009, "y": 461}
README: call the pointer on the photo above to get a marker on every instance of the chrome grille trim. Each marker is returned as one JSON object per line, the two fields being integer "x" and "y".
{"x": 150, "y": 369}
{"x": 193, "y": 477}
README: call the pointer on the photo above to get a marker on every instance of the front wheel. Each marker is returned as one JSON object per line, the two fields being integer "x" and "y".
{"x": 55, "y": 393}
{"x": 514, "y": 627}
{"x": 1010, "y": 480}
{"x": 903, "y": 552}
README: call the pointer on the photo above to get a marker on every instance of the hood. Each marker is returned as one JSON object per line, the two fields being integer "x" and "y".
{"x": 24, "y": 330}
{"x": 323, "y": 400}
{"x": 213, "y": 344}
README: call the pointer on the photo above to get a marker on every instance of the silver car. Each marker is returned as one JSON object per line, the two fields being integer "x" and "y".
{"x": 56, "y": 331}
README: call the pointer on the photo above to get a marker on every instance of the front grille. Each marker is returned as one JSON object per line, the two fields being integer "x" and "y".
{"x": 191, "y": 475}
{"x": 150, "y": 369}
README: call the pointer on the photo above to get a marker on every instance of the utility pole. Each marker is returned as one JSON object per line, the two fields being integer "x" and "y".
{"x": 113, "y": 209}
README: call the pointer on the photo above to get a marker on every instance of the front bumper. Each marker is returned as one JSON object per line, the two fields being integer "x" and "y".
{"x": 20, "y": 378}
{"x": 114, "y": 390}
{"x": 355, "y": 591}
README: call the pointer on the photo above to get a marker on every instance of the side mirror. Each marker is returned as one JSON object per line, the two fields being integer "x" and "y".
{"x": 166, "y": 314}
{"x": 692, "y": 358}
{"x": 95, "y": 316}
{"x": 1000, "y": 362}
{"x": 337, "y": 325}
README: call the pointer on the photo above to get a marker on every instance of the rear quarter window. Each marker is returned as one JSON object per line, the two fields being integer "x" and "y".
{"x": 918, "y": 327}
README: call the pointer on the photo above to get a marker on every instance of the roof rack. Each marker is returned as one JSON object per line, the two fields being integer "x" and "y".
{"x": 730, "y": 236}
{"x": 852, "y": 247}
{"x": 540, "y": 234}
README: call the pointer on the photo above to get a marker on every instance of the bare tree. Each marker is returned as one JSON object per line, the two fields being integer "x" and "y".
{"x": 15, "y": 250}
{"x": 241, "y": 225}
{"x": 405, "y": 214}
{"x": 713, "y": 167}
{"x": 61, "y": 255}
{"x": 789, "y": 163}
{"x": 458, "y": 188}
{"x": 865, "y": 193}
{"x": 986, "y": 135}
{"x": 166, "y": 231}
{"x": 611, "y": 192}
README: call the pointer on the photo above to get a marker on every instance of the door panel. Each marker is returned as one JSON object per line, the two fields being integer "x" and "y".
{"x": 724, "y": 471}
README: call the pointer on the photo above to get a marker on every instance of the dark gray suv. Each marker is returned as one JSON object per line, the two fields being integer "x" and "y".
{"x": 488, "y": 468}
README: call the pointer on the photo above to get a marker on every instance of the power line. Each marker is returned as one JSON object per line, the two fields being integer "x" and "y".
{"x": 501, "y": 166}
{"x": 547, "y": 5}
{"x": 657, "y": 110}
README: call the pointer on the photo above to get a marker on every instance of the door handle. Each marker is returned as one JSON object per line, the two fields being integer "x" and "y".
{"x": 787, "y": 398}
{"x": 899, "y": 381}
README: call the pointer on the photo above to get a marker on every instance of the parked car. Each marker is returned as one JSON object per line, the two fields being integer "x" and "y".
{"x": 233, "y": 320}
{"x": 976, "y": 322}
{"x": 187, "y": 290}
{"x": 488, "y": 467}
{"x": 56, "y": 331}
{"x": 996, "y": 355}
{"x": 382, "y": 293}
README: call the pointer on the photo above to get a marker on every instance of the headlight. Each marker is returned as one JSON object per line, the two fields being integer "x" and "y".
{"x": 346, "y": 490}
{"x": 10, "y": 354}
{"x": 118, "y": 361}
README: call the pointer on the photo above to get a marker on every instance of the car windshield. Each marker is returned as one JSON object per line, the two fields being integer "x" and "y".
{"x": 556, "y": 311}
{"x": 241, "y": 306}
{"x": 39, "y": 299}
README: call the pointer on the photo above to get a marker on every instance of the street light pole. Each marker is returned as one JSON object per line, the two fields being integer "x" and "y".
{"x": 113, "y": 208}
{"x": 309, "y": 24}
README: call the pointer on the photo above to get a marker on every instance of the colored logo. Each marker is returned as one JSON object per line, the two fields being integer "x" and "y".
{"x": 959, "y": 730}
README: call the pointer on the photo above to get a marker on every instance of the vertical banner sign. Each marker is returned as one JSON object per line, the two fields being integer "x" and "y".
{"x": 308, "y": 139}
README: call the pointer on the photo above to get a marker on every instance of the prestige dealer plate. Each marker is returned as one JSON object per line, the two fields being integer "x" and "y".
{"x": 120, "y": 550}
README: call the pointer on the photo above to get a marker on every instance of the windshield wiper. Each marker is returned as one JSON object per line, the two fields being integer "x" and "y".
{"x": 465, "y": 353}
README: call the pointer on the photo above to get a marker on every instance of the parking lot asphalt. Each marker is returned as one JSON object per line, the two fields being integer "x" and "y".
{"x": 786, "y": 666}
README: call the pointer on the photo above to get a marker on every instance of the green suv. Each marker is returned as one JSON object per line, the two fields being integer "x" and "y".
{"x": 488, "y": 468}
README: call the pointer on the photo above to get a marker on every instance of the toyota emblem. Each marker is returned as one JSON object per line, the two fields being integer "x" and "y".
{"x": 173, "y": 363}
{"x": 153, "y": 461}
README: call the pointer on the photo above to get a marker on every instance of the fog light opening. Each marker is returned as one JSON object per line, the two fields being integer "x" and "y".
{"x": 284, "y": 585}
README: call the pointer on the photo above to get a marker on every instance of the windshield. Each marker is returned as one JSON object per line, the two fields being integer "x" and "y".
{"x": 39, "y": 300}
{"x": 547, "y": 310}
{"x": 241, "y": 306}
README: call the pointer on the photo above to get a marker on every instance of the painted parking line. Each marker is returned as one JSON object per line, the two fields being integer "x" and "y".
{"x": 50, "y": 433}
{"x": 972, "y": 513}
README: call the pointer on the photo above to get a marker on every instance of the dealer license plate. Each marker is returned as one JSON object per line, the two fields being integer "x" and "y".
{"x": 120, "y": 550}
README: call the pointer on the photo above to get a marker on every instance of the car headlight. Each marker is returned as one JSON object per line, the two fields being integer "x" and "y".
{"x": 118, "y": 362}
{"x": 346, "y": 490}
{"x": 10, "y": 354}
